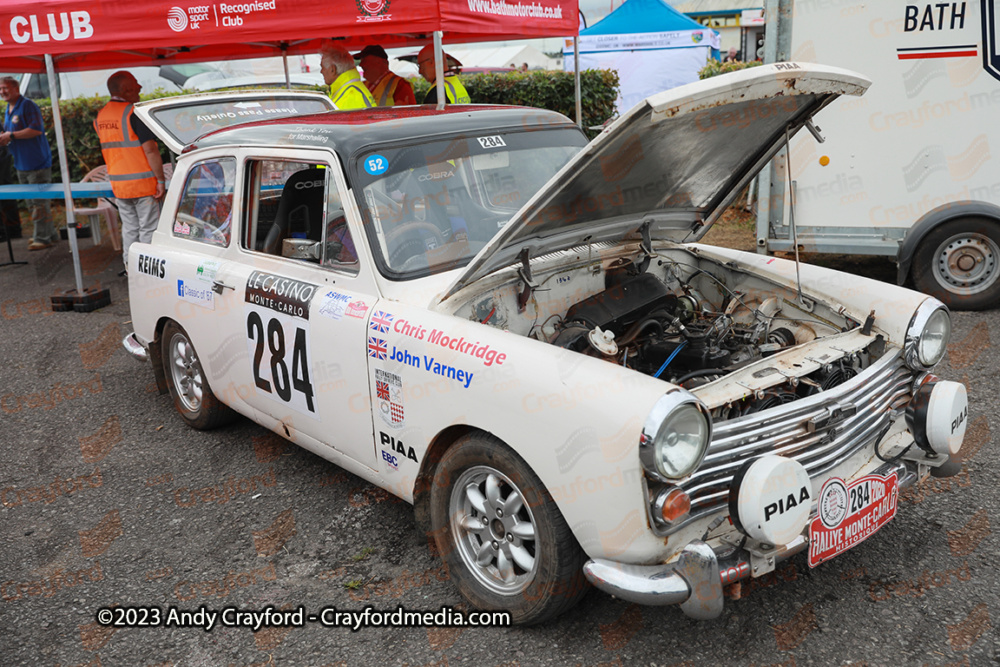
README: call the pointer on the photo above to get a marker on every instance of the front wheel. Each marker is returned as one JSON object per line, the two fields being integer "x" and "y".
{"x": 959, "y": 263}
{"x": 506, "y": 544}
{"x": 193, "y": 398}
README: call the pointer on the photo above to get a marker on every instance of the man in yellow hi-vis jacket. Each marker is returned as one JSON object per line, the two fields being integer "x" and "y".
{"x": 454, "y": 91}
{"x": 346, "y": 89}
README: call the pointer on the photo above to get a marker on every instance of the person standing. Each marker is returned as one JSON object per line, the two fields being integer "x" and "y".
{"x": 346, "y": 90}
{"x": 387, "y": 88}
{"x": 24, "y": 136}
{"x": 135, "y": 167}
{"x": 453, "y": 89}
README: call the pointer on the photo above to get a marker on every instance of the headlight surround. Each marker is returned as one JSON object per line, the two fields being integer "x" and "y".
{"x": 675, "y": 437}
{"x": 928, "y": 335}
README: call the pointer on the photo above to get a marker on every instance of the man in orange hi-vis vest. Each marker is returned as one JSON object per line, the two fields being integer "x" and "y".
{"x": 135, "y": 167}
{"x": 387, "y": 88}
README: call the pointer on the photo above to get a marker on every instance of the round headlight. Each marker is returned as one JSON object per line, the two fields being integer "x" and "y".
{"x": 681, "y": 441}
{"x": 933, "y": 340}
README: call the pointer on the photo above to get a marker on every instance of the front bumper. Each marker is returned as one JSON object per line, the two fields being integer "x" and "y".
{"x": 696, "y": 579}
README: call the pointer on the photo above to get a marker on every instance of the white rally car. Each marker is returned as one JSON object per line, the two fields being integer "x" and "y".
{"x": 508, "y": 327}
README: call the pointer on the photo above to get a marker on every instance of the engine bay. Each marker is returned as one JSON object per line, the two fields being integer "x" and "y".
{"x": 691, "y": 322}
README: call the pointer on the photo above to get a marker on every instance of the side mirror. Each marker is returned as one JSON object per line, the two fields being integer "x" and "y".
{"x": 306, "y": 249}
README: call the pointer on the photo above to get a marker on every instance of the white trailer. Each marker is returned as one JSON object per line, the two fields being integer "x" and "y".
{"x": 905, "y": 171}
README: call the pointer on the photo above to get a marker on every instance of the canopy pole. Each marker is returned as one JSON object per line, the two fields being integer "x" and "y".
{"x": 284, "y": 60}
{"x": 439, "y": 68}
{"x": 64, "y": 172}
{"x": 576, "y": 80}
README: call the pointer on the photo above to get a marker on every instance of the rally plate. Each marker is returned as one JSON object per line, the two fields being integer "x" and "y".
{"x": 850, "y": 513}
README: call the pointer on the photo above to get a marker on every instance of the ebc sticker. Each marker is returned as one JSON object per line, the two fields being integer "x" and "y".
{"x": 496, "y": 141}
{"x": 376, "y": 164}
{"x": 277, "y": 326}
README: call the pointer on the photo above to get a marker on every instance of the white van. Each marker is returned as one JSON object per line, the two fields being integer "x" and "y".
{"x": 907, "y": 170}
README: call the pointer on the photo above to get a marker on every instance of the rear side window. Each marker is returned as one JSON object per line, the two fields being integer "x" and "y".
{"x": 205, "y": 213}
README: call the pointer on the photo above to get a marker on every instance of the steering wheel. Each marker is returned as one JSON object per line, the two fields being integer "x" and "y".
{"x": 205, "y": 229}
{"x": 407, "y": 241}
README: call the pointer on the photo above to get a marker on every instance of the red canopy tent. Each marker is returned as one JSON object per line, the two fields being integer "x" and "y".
{"x": 104, "y": 34}
{"x": 45, "y": 35}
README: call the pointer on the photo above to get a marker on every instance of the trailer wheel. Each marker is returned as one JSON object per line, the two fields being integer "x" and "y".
{"x": 959, "y": 263}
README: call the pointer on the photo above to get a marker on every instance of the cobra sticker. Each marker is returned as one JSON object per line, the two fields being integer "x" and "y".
{"x": 848, "y": 514}
{"x": 277, "y": 326}
{"x": 389, "y": 398}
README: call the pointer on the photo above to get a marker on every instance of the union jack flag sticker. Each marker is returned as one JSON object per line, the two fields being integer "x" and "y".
{"x": 382, "y": 390}
{"x": 381, "y": 321}
{"x": 377, "y": 348}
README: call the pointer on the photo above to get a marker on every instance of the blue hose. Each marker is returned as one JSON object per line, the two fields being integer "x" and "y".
{"x": 669, "y": 359}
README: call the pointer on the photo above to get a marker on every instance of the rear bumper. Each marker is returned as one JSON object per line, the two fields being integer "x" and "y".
{"x": 696, "y": 579}
{"x": 135, "y": 348}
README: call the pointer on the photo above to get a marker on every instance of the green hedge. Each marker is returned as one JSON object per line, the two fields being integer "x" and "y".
{"x": 551, "y": 90}
{"x": 716, "y": 67}
{"x": 544, "y": 89}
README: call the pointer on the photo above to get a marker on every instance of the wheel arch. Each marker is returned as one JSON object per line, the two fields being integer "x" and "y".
{"x": 422, "y": 486}
{"x": 156, "y": 355}
{"x": 933, "y": 219}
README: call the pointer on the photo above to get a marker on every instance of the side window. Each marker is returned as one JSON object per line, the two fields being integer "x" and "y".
{"x": 339, "y": 252}
{"x": 205, "y": 212}
{"x": 295, "y": 211}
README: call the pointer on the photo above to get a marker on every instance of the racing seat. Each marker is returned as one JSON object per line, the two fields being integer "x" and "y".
{"x": 300, "y": 210}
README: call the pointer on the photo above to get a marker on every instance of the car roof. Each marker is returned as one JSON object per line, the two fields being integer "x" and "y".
{"x": 349, "y": 131}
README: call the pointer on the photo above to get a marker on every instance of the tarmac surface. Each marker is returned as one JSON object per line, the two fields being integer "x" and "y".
{"x": 107, "y": 500}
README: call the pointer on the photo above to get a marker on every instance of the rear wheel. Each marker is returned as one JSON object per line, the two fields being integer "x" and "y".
{"x": 193, "y": 398}
{"x": 959, "y": 263}
{"x": 506, "y": 544}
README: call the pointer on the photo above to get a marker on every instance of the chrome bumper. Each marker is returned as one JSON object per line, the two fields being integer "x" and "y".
{"x": 695, "y": 580}
{"x": 135, "y": 348}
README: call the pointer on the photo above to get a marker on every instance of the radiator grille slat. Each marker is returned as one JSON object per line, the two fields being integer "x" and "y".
{"x": 782, "y": 430}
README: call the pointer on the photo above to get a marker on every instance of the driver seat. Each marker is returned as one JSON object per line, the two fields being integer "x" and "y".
{"x": 300, "y": 209}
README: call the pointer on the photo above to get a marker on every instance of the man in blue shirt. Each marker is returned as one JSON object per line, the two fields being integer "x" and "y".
{"x": 24, "y": 136}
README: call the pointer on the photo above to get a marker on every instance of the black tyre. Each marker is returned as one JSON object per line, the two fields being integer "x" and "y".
{"x": 959, "y": 263}
{"x": 193, "y": 398}
{"x": 505, "y": 542}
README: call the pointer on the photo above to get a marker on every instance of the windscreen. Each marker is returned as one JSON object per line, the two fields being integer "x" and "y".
{"x": 432, "y": 206}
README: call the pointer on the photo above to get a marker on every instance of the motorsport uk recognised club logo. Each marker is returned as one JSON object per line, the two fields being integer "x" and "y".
{"x": 373, "y": 10}
{"x": 177, "y": 19}
{"x": 180, "y": 19}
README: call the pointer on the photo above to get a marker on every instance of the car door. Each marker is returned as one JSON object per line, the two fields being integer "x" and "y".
{"x": 301, "y": 295}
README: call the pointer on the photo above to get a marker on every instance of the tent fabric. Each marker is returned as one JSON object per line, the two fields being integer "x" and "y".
{"x": 651, "y": 45}
{"x": 124, "y": 33}
{"x": 642, "y": 16}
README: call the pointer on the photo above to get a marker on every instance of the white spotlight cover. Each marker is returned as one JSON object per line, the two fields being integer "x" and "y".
{"x": 773, "y": 499}
{"x": 947, "y": 417}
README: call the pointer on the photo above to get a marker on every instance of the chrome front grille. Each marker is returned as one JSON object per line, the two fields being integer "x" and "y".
{"x": 803, "y": 430}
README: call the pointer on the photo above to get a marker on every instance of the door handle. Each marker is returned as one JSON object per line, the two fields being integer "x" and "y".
{"x": 218, "y": 286}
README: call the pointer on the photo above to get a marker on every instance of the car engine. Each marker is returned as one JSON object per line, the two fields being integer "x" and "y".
{"x": 681, "y": 337}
